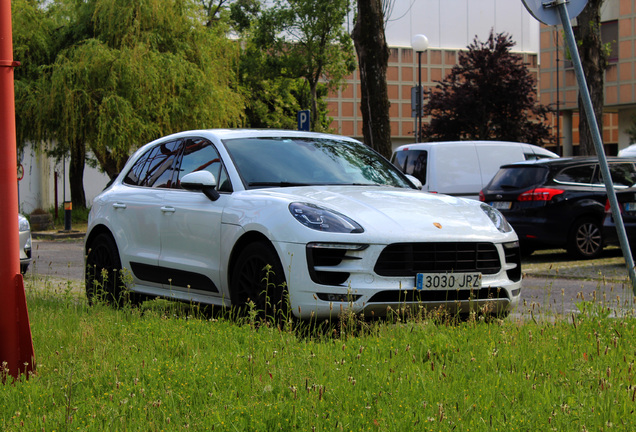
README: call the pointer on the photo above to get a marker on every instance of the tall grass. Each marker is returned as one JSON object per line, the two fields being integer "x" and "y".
{"x": 171, "y": 367}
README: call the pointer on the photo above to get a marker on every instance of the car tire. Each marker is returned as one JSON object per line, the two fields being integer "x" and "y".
{"x": 586, "y": 238}
{"x": 103, "y": 272}
{"x": 253, "y": 282}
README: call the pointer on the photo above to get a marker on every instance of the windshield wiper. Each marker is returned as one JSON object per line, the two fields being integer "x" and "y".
{"x": 278, "y": 184}
{"x": 292, "y": 184}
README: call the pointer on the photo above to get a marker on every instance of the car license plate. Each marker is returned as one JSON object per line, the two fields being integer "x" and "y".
{"x": 501, "y": 205}
{"x": 630, "y": 206}
{"x": 435, "y": 281}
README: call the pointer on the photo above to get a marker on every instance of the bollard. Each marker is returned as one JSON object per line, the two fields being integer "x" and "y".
{"x": 68, "y": 208}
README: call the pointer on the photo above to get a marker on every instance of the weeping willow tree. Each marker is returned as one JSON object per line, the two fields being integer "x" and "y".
{"x": 124, "y": 72}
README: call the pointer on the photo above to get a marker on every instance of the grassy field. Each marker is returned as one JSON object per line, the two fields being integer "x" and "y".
{"x": 168, "y": 367}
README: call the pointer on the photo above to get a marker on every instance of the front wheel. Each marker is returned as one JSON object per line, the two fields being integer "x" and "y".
{"x": 586, "y": 239}
{"x": 258, "y": 278}
{"x": 103, "y": 271}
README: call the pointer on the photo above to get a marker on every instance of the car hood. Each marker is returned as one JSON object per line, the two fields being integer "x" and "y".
{"x": 392, "y": 212}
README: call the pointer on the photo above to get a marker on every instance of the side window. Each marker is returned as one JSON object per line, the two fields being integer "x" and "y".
{"x": 199, "y": 154}
{"x": 155, "y": 167}
{"x": 623, "y": 174}
{"x": 578, "y": 174}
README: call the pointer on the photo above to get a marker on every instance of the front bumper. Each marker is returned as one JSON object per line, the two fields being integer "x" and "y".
{"x": 365, "y": 292}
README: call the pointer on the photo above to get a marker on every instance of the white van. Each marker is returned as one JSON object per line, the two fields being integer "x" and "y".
{"x": 461, "y": 168}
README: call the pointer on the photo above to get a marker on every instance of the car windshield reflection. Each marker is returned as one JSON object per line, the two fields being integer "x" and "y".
{"x": 285, "y": 162}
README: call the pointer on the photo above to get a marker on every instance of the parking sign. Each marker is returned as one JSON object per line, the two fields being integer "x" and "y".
{"x": 304, "y": 120}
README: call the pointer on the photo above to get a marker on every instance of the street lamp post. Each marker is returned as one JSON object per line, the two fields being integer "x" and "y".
{"x": 419, "y": 44}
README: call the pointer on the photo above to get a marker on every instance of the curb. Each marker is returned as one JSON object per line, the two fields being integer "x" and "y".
{"x": 57, "y": 235}
{"x": 588, "y": 277}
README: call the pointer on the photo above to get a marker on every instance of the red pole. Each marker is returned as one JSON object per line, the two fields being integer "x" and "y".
{"x": 16, "y": 345}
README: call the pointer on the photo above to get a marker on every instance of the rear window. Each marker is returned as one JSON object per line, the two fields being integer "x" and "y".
{"x": 412, "y": 162}
{"x": 521, "y": 177}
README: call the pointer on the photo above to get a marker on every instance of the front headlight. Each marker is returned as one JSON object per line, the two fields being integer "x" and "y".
{"x": 322, "y": 219}
{"x": 23, "y": 224}
{"x": 497, "y": 218}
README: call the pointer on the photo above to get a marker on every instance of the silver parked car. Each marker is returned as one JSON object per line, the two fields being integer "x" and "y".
{"x": 25, "y": 243}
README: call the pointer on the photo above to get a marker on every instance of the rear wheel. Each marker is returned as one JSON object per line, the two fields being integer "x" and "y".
{"x": 586, "y": 239}
{"x": 258, "y": 277}
{"x": 103, "y": 271}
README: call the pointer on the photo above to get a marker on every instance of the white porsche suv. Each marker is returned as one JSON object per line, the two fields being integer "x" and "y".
{"x": 305, "y": 222}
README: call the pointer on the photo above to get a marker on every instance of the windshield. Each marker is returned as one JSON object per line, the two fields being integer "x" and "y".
{"x": 266, "y": 162}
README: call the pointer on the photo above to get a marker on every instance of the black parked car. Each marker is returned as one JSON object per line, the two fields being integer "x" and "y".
{"x": 557, "y": 202}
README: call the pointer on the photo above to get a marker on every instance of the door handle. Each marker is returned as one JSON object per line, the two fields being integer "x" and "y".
{"x": 119, "y": 205}
{"x": 168, "y": 209}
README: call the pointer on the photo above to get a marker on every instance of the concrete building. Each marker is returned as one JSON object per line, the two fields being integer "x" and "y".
{"x": 450, "y": 26}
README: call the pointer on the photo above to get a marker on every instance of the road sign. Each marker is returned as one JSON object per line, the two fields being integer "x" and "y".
{"x": 547, "y": 11}
{"x": 304, "y": 120}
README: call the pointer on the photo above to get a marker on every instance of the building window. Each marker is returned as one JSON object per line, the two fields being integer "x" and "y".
{"x": 609, "y": 37}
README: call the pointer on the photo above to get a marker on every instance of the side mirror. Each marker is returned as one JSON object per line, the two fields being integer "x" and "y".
{"x": 415, "y": 181}
{"x": 203, "y": 181}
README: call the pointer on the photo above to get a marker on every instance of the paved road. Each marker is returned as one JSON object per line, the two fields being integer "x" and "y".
{"x": 561, "y": 295}
{"x": 59, "y": 258}
{"x": 542, "y": 292}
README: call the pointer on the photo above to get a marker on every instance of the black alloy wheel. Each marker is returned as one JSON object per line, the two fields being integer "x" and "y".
{"x": 586, "y": 239}
{"x": 258, "y": 277}
{"x": 103, "y": 271}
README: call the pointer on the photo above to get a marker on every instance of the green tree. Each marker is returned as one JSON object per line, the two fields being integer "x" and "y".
{"x": 594, "y": 62}
{"x": 124, "y": 72}
{"x": 489, "y": 95}
{"x": 306, "y": 39}
{"x": 272, "y": 99}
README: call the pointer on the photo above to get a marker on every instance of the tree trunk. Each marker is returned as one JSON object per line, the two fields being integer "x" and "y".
{"x": 313, "y": 90}
{"x": 373, "y": 59}
{"x": 76, "y": 175}
{"x": 594, "y": 62}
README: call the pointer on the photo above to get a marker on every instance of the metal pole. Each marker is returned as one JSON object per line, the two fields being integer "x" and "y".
{"x": 596, "y": 137}
{"x": 419, "y": 97}
{"x": 16, "y": 346}
{"x": 558, "y": 102}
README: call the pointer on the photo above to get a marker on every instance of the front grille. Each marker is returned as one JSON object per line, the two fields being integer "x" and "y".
{"x": 408, "y": 259}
